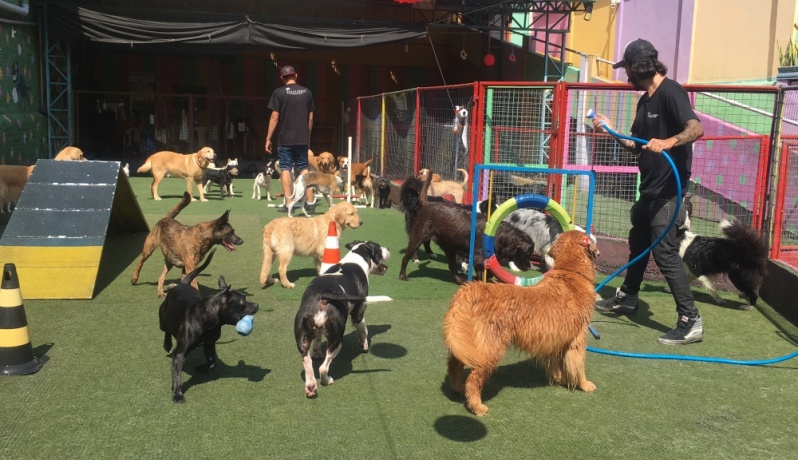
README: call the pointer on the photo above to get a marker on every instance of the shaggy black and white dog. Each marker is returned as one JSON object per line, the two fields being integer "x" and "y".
{"x": 741, "y": 255}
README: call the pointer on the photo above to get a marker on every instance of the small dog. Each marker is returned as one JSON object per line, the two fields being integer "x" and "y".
{"x": 264, "y": 179}
{"x": 543, "y": 229}
{"x": 358, "y": 170}
{"x": 339, "y": 292}
{"x": 446, "y": 187}
{"x": 285, "y": 237}
{"x": 223, "y": 177}
{"x": 70, "y": 154}
{"x": 449, "y": 225}
{"x": 742, "y": 255}
{"x": 189, "y": 166}
{"x": 367, "y": 188}
{"x": 548, "y": 320}
{"x": 184, "y": 246}
{"x": 326, "y": 184}
{"x": 384, "y": 192}
{"x": 194, "y": 320}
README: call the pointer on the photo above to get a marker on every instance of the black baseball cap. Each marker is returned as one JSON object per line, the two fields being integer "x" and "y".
{"x": 637, "y": 51}
{"x": 286, "y": 71}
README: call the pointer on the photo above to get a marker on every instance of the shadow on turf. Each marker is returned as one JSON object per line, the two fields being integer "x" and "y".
{"x": 222, "y": 371}
{"x": 460, "y": 428}
{"x": 642, "y": 318}
{"x": 113, "y": 263}
{"x": 523, "y": 374}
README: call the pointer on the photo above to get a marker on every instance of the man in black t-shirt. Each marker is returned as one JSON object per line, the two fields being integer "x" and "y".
{"x": 666, "y": 119}
{"x": 292, "y": 117}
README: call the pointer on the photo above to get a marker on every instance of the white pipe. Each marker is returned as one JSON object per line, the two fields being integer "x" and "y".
{"x": 20, "y": 10}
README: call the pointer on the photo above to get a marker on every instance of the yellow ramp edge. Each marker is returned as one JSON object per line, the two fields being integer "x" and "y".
{"x": 54, "y": 272}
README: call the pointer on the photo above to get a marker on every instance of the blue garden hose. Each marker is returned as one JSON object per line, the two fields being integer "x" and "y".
{"x": 762, "y": 362}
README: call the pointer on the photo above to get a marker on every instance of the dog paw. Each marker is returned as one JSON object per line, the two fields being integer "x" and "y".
{"x": 479, "y": 410}
{"x": 416, "y": 261}
{"x": 178, "y": 398}
{"x": 311, "y": 390}
{"x": 746, "y": 307}
{"x": 587, "y": 386}
{"x": 288, "y": 285}
{"x": 403, "y": 277}
{"x": 327, "y": 380}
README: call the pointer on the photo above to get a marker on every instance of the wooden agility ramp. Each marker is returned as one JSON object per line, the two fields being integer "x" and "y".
{"x": 56, "y": 234}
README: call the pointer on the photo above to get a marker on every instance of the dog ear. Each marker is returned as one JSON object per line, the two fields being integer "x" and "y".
{"x": 352, "y": 244}
{"x": 224, "y": 218}
{"x": 223, "y": 284}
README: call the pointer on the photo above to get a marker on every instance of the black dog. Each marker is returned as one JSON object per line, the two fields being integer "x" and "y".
{"x": 337, "y": 293}
{"x": 195, "y": 320}
{"x": 449, "y": 225}
{"x": 742, "y": 255}
{"x": 383, "y": 192}
{"x": 221, "y": 177}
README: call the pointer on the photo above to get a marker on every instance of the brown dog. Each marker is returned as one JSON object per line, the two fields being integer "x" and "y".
{"x": 326, "y": 184}
{"x": 444, "y": 187}
{"x": 423, "y": 172}
{"x": 358, "y": 170}
{"x": 548, "y": 320}
{"x": 184, "y": 246}
{"x": 70, "y": 154}
{"x": 13, "y": 179}
{"x": 367, "y": 188}
{"x": 286, "y": 237}
{"x": 190, "y": 166}
{"x": 325, "y": 163}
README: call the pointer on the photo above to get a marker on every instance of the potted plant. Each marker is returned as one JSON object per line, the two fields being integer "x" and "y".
{"x": 788, "y": 61}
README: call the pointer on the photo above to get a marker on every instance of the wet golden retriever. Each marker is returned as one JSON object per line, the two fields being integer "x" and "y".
{"x": 548, "y": 320}
{"x": 70, "y": 154}
{"x": 286, "y": 237}
{"x": 190, "y": 166}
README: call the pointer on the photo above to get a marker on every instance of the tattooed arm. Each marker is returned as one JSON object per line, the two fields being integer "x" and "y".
{"x": 691, "y": 133}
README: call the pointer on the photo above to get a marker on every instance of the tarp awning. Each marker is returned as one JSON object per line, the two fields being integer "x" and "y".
{"x": 142, "y": 27}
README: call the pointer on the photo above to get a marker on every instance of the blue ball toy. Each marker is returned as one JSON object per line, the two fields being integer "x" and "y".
{"x": 244, "y": 325}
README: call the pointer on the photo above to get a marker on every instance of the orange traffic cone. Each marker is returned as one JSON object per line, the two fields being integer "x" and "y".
{"x": 332, "y": 253}
{"x": 16, "y": 352}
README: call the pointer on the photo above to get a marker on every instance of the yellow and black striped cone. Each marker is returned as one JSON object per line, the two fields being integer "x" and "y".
{"x": 16, "y": 352}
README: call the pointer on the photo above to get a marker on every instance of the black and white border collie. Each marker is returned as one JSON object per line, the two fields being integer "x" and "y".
{"x": 741, "y": 255}
{"x": 339, "y": 292}
{"x": 543, "y": 229}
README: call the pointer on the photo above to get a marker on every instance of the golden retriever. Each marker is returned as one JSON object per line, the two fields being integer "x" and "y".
{"x": 70, "y": 154}
{"x": 325, "y": 163}
{"x": 286, "y": 237}
{"x": 445, "y": 187}
{"x": 548, "y": 320}
{"x": 190, "y": 166}
{"x": 13, "y": 178}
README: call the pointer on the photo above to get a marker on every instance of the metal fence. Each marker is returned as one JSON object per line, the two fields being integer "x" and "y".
{"x": 745, "y": 166}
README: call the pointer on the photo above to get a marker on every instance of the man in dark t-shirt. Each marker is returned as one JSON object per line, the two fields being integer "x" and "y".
{"x": 292, "y": 117}
{"x": 666, "y": 119}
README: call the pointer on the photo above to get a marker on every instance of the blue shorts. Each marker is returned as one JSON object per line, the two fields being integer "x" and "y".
{"x": 293, "y": 156}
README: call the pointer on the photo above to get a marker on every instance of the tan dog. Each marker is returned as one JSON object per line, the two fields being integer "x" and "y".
{"x": 286, "y": 237}
{"x": 548, "y": 320}
{"x": 312, "y": 161}
{"x": 13, "y": 179}
{"x": 190, "y": 166}
{"x": 70, "y": 154}
{"x": 184, "y": 246}
{"x": 358, "y": 170}
{"x": 325, "y": 163}
{"x": 326, "y": 184}
{"x": 444, "y": 187}
{"x": 423, "y": 172}
{"x": 367, "y": 187}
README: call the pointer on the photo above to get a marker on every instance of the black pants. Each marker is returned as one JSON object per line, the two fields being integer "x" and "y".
{"x": 649, "y": 219}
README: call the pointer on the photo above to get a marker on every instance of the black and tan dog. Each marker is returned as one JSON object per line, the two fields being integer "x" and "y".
{"x": 184, "y": 246}
{"x": 223, "y": 177}
{"x": 337, "y": 293}
{"x": 194, "y": 320}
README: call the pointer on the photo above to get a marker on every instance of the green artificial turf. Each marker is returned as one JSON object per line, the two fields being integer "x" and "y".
{"x": 104, "y": 391}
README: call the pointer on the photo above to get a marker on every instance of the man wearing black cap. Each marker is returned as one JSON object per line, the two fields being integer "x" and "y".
{"x": 666, "y": 119}
{"x": 292, "y": 115}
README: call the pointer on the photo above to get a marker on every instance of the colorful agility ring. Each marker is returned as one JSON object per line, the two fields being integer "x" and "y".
{"x": 540, "y": 202}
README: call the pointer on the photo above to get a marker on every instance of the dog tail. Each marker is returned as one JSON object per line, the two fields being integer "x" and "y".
{"x": 752, "y": 246}
{"x": 190, "y": 277}
{"x": 145, "y": 167}
{"x": 465, "y": 178}
{"x": 341, "y": 296}
{"x": 185, "y": 201}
